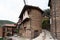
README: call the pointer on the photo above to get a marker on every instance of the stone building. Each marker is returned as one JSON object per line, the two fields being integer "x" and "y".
{"x": 30, "y": 20}
{"x": 55, "y": 17}
{"x": 8, "y": 30}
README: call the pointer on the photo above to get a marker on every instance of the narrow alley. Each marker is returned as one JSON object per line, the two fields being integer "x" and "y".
{"x": 45, "y": 35}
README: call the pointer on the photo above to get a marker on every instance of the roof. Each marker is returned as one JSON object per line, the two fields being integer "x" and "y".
{"x": 29, "y": 7}
{"x": 49, "y": 3}
{"x": 9, "y": 25}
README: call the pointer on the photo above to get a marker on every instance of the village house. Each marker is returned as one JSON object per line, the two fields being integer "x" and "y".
{"x": 8, "y": 30}
{"x": 55, "y": 18}
{"x": 1, "y": 32}
{"x": 30, "y": 22}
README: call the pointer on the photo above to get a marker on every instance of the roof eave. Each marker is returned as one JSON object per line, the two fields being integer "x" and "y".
{"x": 27, "y": 7}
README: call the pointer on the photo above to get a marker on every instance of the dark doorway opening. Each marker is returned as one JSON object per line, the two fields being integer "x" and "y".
{"x": 46, "y": 24}
{"x": 36, "y": 33}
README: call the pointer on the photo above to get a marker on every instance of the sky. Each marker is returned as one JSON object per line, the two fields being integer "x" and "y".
{"x": 11, "y": 9}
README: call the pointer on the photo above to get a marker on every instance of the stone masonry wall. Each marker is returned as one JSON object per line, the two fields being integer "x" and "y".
{"x": 32, "y": 25}
{"x": 36, "y": 20}
{"x": 57, "y": 10}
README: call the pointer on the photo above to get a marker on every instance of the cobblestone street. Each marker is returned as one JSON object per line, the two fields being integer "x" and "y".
{"x": 45, "y": 35}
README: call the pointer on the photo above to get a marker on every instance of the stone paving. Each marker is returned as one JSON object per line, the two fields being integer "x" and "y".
{"x": 45, "y": 35}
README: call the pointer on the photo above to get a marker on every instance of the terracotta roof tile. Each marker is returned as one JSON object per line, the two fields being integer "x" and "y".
{"x": 10, "y": 25}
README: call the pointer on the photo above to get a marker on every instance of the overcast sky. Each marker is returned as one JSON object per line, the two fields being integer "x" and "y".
{"x": 11, "y": 9}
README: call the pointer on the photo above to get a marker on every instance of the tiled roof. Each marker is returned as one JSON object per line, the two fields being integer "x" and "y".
{"x": 10, "y": 25}
{"x": 29, "y": 7}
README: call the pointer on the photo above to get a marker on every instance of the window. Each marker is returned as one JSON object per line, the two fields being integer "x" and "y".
{"x": 24, "y": 28}
{"x": 9, "y": 29}
{"x": 29, "y": 10}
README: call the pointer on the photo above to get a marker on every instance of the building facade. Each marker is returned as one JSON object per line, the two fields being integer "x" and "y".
{"x": 55, "y": 17}
{"x": 30, "y": 20}
{"x": 8, "y": 30}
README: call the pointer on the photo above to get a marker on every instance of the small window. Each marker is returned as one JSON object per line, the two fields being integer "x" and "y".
{"x": 24, "y": 28}
{"x": 29, "y": 10}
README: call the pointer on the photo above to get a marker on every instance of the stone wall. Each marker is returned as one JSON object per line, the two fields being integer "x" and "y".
{"x": 57, "y": 10}
{"x": 32, "y": 27}
{"x": 36, "y": 20}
